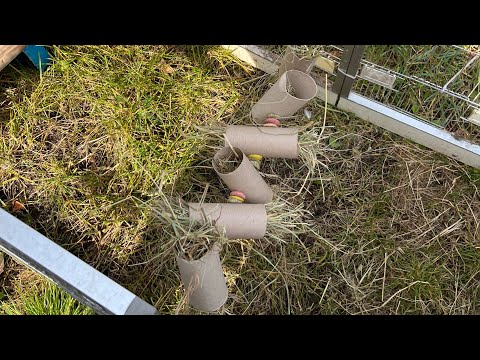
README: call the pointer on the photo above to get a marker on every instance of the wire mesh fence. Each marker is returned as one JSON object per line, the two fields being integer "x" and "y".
{"x": 436, "y": 83}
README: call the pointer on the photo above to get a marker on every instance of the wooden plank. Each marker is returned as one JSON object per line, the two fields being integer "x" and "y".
{"x": 325, "y": 64}
{"x": 256, "y": 56}
{"x": 8, "y": 53}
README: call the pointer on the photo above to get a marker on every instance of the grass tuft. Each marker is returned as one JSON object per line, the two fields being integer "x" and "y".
{"x": 35, "y": 295}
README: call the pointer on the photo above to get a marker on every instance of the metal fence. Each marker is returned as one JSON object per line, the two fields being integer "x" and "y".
{"x": 438, "y": 84}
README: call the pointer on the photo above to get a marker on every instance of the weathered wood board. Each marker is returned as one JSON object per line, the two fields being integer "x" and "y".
{"x": 8, "y": 53}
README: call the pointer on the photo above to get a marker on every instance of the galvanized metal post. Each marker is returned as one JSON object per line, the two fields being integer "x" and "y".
{"x": 83, "y": 282}
{"x": 347, "y": 70}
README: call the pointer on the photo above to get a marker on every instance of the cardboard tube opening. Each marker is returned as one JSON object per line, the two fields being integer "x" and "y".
{"x": 204, "y": 280}
{"x": 278, "y": 101}
{"x": 236, "y": 221}
{"x": 304, "y": 85}
{"x": 270, "y": 142}
{"x": 244, "y": 178}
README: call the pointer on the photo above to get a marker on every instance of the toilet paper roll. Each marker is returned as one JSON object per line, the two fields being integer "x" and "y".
{"x": 270, "y": 142}
{"x": 236, "y": 221}
{"x": 204, "y": 280}
{"x": 279, "y": 102}
{"x": 244, "y": 178}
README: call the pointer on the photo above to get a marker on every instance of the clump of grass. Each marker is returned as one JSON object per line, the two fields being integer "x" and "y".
{"x": 213, "y": 137}
{"x": 38, "y": 296}
{"x": 311, "y": 147}
{"x": 189, "y": 239}
{"x": 195, "y": 243}
{"x": 312, "y": 150}
{"x": 302, "y": 51}
{"x": 286, "y": 221}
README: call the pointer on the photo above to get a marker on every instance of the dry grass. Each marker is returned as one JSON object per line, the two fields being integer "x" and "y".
{"x": 393, "y": 226}
{"x": 228, "y": 163}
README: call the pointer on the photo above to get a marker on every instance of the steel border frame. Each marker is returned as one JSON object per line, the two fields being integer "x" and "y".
{"x": 347, "y": 71}
{"x": 80, "y": 280}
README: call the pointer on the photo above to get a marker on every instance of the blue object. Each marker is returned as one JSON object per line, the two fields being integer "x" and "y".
{"x": 38, "y": 55}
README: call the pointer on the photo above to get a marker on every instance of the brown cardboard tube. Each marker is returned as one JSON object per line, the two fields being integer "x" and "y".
{"x": 204, "y": 280}
{"x": 236, "y": 221}
{"x": 279, "y": 102}
{"x": 272, "y": 142}
{"x": 292, "y": 62}
{"x": 244, "y": 178}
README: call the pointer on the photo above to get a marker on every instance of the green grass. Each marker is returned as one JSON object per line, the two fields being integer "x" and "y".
{"x": 102, "y": 124}
{"x": 41, "y": 297}
{"x": 394, "y": 227}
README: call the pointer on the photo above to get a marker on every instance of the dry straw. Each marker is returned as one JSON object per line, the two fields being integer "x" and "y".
{"x": 302, "y": 51}
{"x": 286, "y": 220}
{"x": 189, "y": 240}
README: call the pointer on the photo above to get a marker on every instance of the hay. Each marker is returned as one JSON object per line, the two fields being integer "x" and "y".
{"x": 286, "y": 221}
{"x": 302, "y": 51}
{"x": 188, "y": 239}
{"x": 229, "y": 163}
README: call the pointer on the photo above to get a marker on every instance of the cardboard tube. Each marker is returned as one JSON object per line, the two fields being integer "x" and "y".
{"x": 237, "y": 221}
{"x": 204, "y": 280}
{"x": 279, "y": 102}
{"x": 244, "y": 178}
{"x": 292, "y": 62}
{"x": 272, "y": 142}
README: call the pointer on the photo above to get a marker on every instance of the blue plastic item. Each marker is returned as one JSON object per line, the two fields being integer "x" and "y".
{"x": 38, "y": 55}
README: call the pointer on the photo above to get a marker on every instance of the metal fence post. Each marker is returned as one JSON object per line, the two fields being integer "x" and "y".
{"x": 347, "y": 70}
{"x": 80, "y": 280}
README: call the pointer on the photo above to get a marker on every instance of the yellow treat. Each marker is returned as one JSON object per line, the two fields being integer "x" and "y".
{"x": 255, "y": 157}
